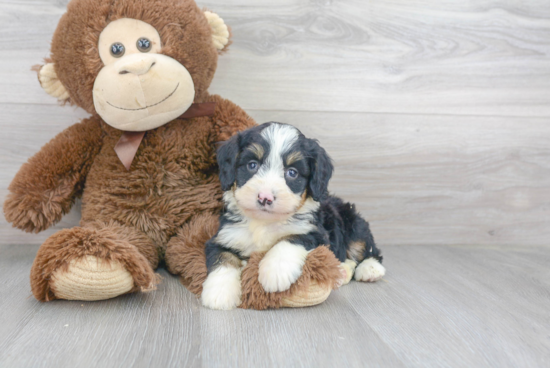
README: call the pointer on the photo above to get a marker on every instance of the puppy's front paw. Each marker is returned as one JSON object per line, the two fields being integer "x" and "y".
{"x": 369, "y": 270}
{"x": 222, "y": 288}
{"x": 281, "y": 266}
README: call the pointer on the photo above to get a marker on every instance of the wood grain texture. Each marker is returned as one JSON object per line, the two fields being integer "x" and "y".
{"x": 436, "y": 179}
{"x": 482, "y": 305}
{"x": 419, "y": 179}
{"x": 436, "y": 115}
{"x": 488, "y": 57}
{"x": 438, "y": 306}
{"x": 144, "y": 330}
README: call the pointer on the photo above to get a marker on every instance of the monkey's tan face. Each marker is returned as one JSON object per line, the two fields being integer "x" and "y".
{"x": 139, "y": 89}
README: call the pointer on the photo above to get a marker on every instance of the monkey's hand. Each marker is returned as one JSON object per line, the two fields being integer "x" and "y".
{"x": 46, "y": 187}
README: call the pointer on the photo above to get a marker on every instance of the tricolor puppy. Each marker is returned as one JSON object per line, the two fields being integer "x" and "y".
{"x": 276, "y": 201}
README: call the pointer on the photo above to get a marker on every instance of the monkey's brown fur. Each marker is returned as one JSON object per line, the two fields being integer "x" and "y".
{"x": 321, "y": 266}
{"x": 166, "y": 206}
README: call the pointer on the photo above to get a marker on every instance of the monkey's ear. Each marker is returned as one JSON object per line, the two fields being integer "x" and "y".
{"x": 220, "y": 31}
{"x": 51, "y": 83}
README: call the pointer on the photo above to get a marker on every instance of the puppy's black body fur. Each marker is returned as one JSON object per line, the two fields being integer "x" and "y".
{"x": 334, "y": 222}
{"x": 345, "y": 226}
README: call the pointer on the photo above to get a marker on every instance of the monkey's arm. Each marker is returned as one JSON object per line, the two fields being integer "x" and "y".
{"x": 229, "y": 119}
{"x": 46, "y": 187}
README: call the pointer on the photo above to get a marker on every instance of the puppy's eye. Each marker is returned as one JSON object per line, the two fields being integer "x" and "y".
{"x": 117, "y": 49}
{"x": 143, "y": 44}
{"x": 252, "y": 166}
{"x": 291, "y": 173}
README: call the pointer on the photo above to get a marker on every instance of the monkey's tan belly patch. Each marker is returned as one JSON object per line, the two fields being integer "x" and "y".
{"x": 90, "y": 278}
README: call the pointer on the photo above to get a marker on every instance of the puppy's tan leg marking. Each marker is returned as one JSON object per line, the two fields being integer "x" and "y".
{"x": 222, "y": 288}
{"x": 356, "y": 251}
{"x": 229, "y": 259}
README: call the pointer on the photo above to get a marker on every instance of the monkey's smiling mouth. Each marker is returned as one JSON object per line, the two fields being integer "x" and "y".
{"x": 146, "y": 107}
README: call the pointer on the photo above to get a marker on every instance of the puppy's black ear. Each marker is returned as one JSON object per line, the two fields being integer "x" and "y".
{"x": 227, "y": 162}
{"x": 321, "y": 169}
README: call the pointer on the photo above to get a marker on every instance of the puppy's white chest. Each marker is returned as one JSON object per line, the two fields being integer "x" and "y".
{"x": 256, "y": 236}
{"x": 266, "y": 236}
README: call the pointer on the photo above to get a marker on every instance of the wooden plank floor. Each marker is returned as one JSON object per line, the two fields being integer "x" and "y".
{"x": 436, "y": 113}
{"x": 438, "y": 306}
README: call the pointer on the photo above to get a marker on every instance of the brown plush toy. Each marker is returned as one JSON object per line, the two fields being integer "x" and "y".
{"x": 144, "y": 162}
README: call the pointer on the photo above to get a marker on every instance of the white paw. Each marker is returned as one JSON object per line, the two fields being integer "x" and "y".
{"x": 281, "y": 266}
{"x": 369, "y": 270}
{"x": 222, "y": 288}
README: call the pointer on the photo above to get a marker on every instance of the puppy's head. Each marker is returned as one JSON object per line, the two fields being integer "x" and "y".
{"x": 271, "y": 170}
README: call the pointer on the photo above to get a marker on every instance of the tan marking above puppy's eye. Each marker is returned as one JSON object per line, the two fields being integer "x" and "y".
{"x": 257, "y": 150}
{"x": 294, "y": 157}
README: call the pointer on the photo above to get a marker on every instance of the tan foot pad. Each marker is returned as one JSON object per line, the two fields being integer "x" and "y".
{"x": 313, "y": 295}
{"x": 91, "y": 278}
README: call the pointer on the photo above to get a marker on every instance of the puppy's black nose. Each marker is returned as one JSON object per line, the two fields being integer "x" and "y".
{"x": 265, "y": 199}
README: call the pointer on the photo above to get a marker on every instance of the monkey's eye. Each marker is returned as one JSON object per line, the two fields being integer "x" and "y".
{"x": 117, "y": 49}
{"x": 143, "y": 44}
{"x": 291, "y": 173}
{"x": 252, "y": 166}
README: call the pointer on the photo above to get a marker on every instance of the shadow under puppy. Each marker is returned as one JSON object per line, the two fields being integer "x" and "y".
{"x": 276, "y": 201}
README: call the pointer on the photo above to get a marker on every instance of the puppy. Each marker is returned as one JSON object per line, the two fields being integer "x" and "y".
{"x": 276, "y": 201}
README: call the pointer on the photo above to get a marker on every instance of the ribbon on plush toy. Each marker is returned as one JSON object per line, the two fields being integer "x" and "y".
{"x": 128, "y": 144}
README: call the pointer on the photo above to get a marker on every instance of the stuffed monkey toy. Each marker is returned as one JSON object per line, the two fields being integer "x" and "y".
{"x": 144, "y": 162}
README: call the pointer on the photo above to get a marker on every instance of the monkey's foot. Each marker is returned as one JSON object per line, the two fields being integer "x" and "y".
{"x": 313, "y": 295}
{"x": 91, "y": 278}
{"x": 89, "y": 264}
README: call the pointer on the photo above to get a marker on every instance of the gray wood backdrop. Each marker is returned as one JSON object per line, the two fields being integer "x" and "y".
{"x": 436, "y": 112}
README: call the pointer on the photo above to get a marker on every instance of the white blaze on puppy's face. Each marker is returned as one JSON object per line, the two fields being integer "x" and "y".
{"x": 269, "y": 182}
